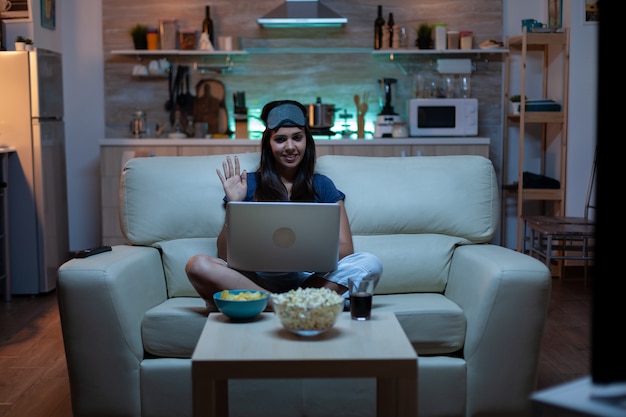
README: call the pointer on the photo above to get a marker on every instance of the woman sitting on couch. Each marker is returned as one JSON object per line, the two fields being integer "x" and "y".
{"x": 286, "y": 173}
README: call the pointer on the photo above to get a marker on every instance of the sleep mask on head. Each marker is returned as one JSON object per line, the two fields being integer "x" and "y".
{"x": 284, "y": 113}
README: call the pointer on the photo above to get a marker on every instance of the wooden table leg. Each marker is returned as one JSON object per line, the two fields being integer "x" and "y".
{"x": 210, "y": 398}
{"x": 204, "y": 396}
{"x": 221, "y": 398}
{"x": 396, "y": 397}
{"x": 385, "y": 397}
{"x": 406, "y": 397}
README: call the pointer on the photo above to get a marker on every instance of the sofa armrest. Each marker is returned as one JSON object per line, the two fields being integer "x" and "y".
{"x": 102, "y": 300}
{"x": 505, "y": 296}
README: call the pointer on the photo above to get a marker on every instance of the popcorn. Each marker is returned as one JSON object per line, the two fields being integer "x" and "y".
{"x": 308, "y": 308}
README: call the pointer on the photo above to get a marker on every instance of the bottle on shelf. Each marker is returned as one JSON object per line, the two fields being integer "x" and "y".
{"x": 379, "y": 24}
{"x": 207, "y": 24}
{"x": 390, "y": 27}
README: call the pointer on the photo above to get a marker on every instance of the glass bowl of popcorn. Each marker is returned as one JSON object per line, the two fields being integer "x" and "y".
{"x": 308, "y": 311}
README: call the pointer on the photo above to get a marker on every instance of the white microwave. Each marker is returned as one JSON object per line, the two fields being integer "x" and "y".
{"x": 443, "y": 117}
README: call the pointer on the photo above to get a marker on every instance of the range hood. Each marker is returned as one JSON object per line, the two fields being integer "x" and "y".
{"x": 301, "y": 13}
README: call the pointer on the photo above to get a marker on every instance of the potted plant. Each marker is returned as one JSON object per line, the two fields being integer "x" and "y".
{"x": 139, "y": 34}
{"x": 424, "y": 36}
{"x": 28, "y": 44}
{"x": 20, "y": 43}
{"x": 514, "y": 104}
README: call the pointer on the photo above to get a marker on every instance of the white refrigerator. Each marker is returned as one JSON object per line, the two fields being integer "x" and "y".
{"x": 31, "y": 121}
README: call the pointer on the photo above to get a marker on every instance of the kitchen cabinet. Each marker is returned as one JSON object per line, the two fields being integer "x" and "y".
{"x": 553, "y": 51}
{"x": 115, "y": 152}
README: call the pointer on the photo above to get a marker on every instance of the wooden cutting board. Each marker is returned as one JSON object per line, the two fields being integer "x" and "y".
{"x": 210, "y": 105}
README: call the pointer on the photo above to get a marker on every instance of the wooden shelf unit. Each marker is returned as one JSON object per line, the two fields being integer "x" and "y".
{"x": 554, "y": 50}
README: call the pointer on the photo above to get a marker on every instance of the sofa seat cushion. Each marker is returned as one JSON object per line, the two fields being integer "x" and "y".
{"x": 172, "y": 328}
{"x": 433, "y": 323}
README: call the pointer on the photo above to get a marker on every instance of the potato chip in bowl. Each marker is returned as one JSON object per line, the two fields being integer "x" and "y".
{"x": 241, "y": 304}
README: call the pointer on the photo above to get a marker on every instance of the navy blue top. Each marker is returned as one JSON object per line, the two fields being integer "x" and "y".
{"x": 325, "y": 187}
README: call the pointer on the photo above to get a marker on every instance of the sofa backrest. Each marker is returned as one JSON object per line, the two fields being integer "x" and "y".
{"x": 409, "y": 211}
{"x": 449, "y": 195}
{"x": 174, "y": 197}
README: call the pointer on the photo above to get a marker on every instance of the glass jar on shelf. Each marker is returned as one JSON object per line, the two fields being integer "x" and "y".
{"x": 427, "y": 83}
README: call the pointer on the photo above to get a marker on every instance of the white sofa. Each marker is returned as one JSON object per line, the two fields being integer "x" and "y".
{"x": 474, "y": 311}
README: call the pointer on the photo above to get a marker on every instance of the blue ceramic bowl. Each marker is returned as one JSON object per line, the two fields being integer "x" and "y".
{"x": 241, "y": 309}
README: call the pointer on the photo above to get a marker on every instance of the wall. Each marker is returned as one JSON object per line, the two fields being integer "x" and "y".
{"x": 84, "y": 105}
{"x": 81, "y": 24}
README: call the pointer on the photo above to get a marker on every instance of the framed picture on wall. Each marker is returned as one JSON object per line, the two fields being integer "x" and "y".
{"x": 48, "y": 14}
{"x": 592, "y": 13}
{"x": 555, "y": 13}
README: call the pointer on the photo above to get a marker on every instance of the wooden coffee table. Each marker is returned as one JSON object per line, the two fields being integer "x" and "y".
{"x": 377, "y": 348}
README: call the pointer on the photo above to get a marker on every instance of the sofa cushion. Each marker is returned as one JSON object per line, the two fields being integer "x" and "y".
{"x": 433, "y": 323}
{"x": 187, "y": 185}
{"x": 449, "y": 195}
{"x": 174, "y": 254}
{"x": 411, "y": 262}
{"x": 172, "y": 329}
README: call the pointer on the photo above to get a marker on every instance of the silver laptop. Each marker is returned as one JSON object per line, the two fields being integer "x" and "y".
{"x": 283, "y": 237}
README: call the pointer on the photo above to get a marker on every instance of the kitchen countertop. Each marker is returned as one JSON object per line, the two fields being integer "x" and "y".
{"x": 464, "y": 140}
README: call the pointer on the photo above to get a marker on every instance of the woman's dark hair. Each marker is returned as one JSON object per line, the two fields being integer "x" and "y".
{"x": 270, "y": 187}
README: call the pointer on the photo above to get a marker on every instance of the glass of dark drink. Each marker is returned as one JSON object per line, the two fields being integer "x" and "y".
{"x": 361, "y": 294}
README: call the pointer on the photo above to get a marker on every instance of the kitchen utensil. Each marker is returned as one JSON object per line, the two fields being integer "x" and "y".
{"x": 210, "y": 106}
{"x": 138, "y": 123}
{"x": 171, "y": 83}
{"x": 361, "y": 107}
{"x": 185, "y": 99}
{"x": 387, "y": 117}
{"x": 239, "y": 100}
{"x": 158, "y": 67}
{"x": 140, "y": 70}
{"x": 387, "y": 93}
{"x": 321, "y": 116}
{"x": 174, "y": 93}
